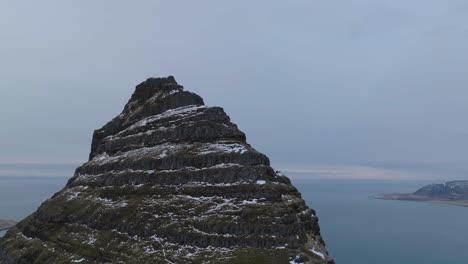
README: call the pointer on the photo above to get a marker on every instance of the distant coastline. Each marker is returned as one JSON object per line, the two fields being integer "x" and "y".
{"x": 6, "y": 224}
{"x": 420, "y": 198}
{"x": 36, "y": 170}
{"x": 453, "y": 193}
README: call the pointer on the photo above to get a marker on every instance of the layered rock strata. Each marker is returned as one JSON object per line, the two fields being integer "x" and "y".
{"x": 170, "y": 180}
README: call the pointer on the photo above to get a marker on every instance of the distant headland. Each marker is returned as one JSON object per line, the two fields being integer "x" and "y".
{"x": 6, "y": 224}
{"x": 453, "y": 192}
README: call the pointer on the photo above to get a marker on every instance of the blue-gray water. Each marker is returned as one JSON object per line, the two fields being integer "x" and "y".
{"x": 358, "y": 230}
{"x": 20, "y": 196}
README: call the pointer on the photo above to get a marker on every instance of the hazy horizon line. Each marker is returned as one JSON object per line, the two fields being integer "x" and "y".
{"x": 295, "y": 171}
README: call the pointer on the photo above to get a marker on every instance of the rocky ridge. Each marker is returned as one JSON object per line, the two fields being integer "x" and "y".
{"x": 170, "y": 180}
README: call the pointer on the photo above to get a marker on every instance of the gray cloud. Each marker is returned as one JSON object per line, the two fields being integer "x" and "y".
{"x": 310, "y": 82}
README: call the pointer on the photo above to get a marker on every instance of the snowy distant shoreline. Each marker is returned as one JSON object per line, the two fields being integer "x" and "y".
{"x": 415, "y": 198}
{"x": 453, "y": 192}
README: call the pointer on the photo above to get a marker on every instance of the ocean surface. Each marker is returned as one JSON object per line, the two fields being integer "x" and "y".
{"x": 357, "y": 230}
{"x": 21, "y": 196}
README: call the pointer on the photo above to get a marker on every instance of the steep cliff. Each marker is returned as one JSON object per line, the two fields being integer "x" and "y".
{"x": 170, "y": 180}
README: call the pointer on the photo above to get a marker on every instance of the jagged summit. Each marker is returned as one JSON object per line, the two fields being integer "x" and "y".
{"x": 151, "y": 97}
{"x": 170, "y": 180}
{"x": 158, "y": 88}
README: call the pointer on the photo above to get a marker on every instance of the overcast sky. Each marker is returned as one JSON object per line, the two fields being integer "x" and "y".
{"x": 344, "y": 82}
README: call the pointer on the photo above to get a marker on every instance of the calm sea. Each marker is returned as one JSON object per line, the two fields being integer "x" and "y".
{"x": 20, "y": 196}
{"x": 358, "y": 230}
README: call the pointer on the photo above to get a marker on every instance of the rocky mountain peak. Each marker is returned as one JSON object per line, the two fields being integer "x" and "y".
{"x": 170, "y": 180}
{"x": 155, "y": 87}
{"x": 151, "y": 97}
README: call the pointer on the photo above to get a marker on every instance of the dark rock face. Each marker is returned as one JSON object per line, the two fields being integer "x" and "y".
{"x": 449, "y": 190}
{"x": 170, "y": 180}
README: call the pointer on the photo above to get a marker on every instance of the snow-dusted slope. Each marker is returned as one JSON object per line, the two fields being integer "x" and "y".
{"x": 451, "y": 190}
{"x": 170, "y": 180}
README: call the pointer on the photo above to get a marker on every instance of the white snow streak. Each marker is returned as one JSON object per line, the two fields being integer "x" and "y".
{"x": 320, "y": 254}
